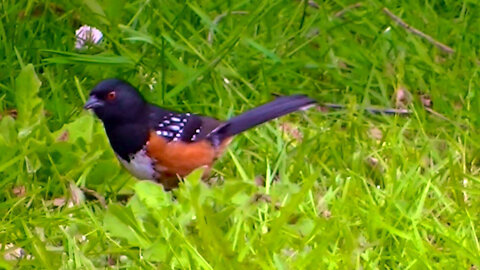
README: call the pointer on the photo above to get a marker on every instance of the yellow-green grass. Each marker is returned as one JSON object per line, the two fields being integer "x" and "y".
{"x": 357, "y": 190}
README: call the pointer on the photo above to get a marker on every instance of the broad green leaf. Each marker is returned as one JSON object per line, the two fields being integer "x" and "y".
{"x": 32, "y": 163}
{"x": 138, "y": 208}
{"x": 27, "y": 86}
{"x": 194, "y": 186}
{"x": 95, "y": 7}
{"x": 114, "y": 10}
{"x": 7, "y": 130}
{"x": 195, "y": 177}
{"x": 121, "y": 222}
{"x": 152, "y": 195}
{"x": 158, "y": 251}
{"x": 82, "y": 127}
{"x": 103, "y": 170}
{"x": 27, "y": 130}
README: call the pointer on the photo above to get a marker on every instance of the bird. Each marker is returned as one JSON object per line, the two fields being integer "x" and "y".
{"x": 164, "y": 146}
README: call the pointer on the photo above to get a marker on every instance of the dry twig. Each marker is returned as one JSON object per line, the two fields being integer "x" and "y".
{"x": 417, "y": 32}
{"x": 219, "y": 18}
{"x": 95, "y": 194}
{"x": 437, "y": 114}
{"x": 348, "y": 8}
{"x": 389, "y": 111}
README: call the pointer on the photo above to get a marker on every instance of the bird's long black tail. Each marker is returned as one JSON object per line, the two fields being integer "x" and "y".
{"x": 259, "y": 115}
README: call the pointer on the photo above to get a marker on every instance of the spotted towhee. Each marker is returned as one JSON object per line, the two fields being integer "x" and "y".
{"x": 161, "y": 145}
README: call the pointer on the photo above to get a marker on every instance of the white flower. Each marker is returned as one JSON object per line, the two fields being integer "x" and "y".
{"x": 87, "y": 35}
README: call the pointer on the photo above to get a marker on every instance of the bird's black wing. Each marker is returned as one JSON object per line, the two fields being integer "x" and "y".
{"x": 175, "y": 126}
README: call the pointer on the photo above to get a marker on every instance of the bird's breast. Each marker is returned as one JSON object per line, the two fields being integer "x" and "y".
{"x": 140, "y": 165}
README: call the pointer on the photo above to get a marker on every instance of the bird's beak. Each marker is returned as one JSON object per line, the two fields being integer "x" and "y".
{"x": 92, "y": 103}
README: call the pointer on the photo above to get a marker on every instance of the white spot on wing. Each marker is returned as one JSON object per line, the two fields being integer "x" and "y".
{"x": 195, "y": 135}
{"x": 167, "y": 133}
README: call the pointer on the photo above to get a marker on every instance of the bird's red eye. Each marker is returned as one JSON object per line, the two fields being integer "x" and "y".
{"x": 111, "y": 95}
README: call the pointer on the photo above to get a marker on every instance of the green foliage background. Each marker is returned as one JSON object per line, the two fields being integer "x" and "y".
{"x": 358, "y": 191}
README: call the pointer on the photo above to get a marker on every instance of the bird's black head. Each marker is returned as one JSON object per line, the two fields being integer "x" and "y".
{"x": 115, "y": 101}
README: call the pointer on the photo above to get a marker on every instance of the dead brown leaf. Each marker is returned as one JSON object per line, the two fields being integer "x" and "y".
{"x": 261, "y": 197}
{"x": 373, "y": 162}
{"x": 14, "y": 253}
{"x": 58, "y": 202}
{"x": 292, "y": 131}
{"x": 326, "y": 214}
{"x": 111, "y": 261}
{"x": 323, "y": 109}
{"x": 313, "y": 4}
{"x": 13, "y": 113}
{"x": 426, "y": 101}
{"x": 278, "y": 205}
{"x": 77, "y": 195}
{"x": 403, "y": 98}
{"x": 342, "y": 65}
{"x": 64, "y": 136}
{"x": 93, "y": 193}
{"x": 375, "y": 133}
{"x": 439, "y": 59}
{"x": 19, "y": 191}
{"x": 214, "y": 180}
{"x": 260, "y": 181}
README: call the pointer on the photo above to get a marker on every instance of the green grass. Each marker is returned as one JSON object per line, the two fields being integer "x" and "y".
{"x": 274, "y": 202}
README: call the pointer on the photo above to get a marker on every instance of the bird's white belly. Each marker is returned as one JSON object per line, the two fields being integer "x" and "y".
{"x": 140, "y": 165}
